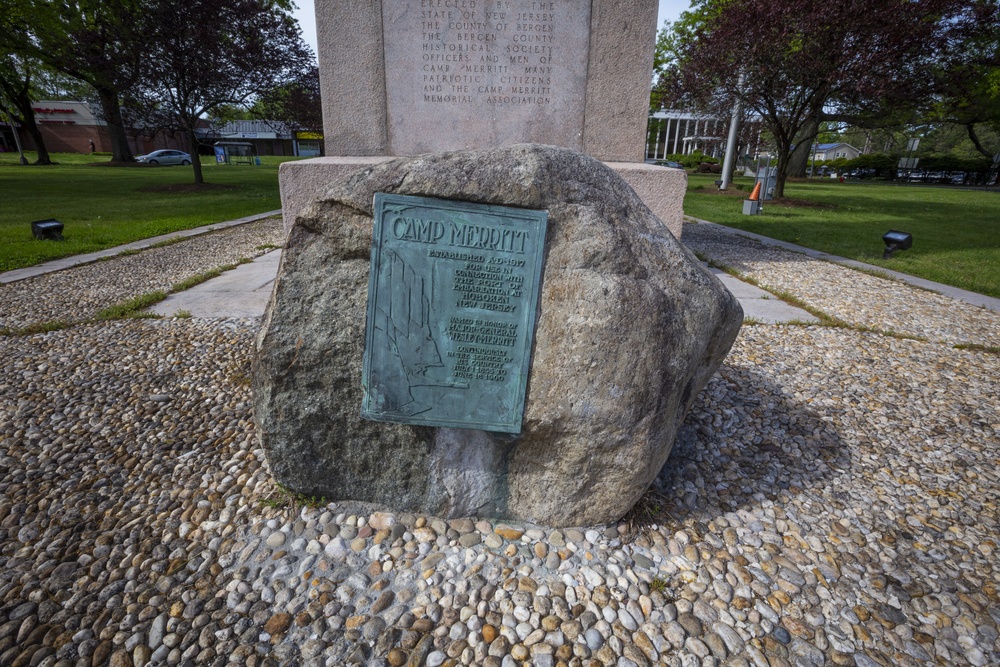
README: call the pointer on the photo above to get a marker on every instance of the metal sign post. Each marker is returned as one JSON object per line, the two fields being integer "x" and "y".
{"x": 17, "y": 139}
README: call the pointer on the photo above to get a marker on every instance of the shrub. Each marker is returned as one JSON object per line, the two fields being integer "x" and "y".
{"x": 692, "y": 160}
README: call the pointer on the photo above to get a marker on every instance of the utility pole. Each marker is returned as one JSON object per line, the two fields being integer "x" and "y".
{"x": 734, "y": 127}
{"x": 17, "y": 139}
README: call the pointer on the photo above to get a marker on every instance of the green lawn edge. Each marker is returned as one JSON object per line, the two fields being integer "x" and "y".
{"x": 104, "y": 206}
{"x": 956, "y": 231}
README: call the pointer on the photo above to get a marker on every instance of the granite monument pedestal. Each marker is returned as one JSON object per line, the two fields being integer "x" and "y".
{"x": 660, "y": 188}
{"x": 408, "y": 77}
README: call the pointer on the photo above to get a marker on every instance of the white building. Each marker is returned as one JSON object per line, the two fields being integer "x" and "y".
{"x": 673, "y": 132}
{"x": 683, "y": 133}
{"x": 834, "y": 151}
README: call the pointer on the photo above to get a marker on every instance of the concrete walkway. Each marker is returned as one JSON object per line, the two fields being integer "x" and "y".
{"x": 241, "y": 292}
{"x": 244, "y": 292}
{"x": 760, "y": 305}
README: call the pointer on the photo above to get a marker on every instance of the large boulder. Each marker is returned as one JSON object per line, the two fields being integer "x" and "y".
{"x": 629, "y": 330}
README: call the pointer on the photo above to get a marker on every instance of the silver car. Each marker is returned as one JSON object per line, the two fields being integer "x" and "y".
{"x": 165, "y": 156}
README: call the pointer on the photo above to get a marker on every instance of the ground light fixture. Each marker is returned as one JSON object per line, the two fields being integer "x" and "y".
{"x": 47, "y": 230}
{"x": 894, "y": 241}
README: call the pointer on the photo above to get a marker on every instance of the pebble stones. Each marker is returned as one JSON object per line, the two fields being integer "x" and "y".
{"x": 858, "y": 298}
{"x": 826, "y": 504}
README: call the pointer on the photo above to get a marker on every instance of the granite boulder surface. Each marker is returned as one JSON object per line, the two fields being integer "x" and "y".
{"x": 630, "y": 328}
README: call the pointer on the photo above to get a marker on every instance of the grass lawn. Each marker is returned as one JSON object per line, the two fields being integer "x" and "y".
{"x": 956, "y": 232}
{"x": 103, "y": 206}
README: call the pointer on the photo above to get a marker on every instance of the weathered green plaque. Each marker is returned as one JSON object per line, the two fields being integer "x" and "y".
{"x": 452, "y": 304}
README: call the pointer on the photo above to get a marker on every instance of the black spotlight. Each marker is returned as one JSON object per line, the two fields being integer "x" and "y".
{"x": 896, "y": 241}
{"x": 47, "y": 230}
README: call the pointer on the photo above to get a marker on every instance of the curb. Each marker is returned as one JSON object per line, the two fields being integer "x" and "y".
{"x": 972, "y": 298}
{"x": 89, "y": 258}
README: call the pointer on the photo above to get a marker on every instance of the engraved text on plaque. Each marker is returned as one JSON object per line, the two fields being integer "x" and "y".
{"x": 452, "y": 303}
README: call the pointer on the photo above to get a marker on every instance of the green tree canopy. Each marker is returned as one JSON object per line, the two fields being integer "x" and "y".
{"x": 96, "y": 41}
{"x": 808, "y": 62}
{"x": 296, "y": 103}
{"x": 205, "y": 54}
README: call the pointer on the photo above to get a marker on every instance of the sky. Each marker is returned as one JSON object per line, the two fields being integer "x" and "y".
{"x": 670, "y": 10}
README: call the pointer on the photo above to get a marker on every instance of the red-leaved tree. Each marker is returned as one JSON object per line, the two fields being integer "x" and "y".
{"x": 804, "y": 62}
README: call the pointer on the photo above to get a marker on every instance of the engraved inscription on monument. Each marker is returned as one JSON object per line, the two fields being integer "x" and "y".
{"x": 475, "y": 73}
{"x": 452, "y": 302}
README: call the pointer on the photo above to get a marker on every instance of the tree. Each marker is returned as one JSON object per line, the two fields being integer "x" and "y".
{"x": 15, "y": 100}
{"x": 808, "y": 62}
{"x": 969, "y": 77}
{"x": 297, "y": 103}
{"x": 50, "y": 84}
{"x": 673, "y": 44}
{"x": 98, "y": 42}
{"x": 205, "y": 54}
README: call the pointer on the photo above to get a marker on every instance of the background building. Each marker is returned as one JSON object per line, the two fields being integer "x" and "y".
{"x": 69, "y": 127}
{"x": 834, "y": 151}
{"x": 268, "y": 137}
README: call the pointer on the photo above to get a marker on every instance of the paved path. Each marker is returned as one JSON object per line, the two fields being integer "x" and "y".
{"x": 244, "y": 292}
{"x": 760, "y": 305}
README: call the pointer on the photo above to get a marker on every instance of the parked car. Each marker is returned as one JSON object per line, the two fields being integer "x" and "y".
{"x": 166, "y": 157}
{"x": 670, "y": 163}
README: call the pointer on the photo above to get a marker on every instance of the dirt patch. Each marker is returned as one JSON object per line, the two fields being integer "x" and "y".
{"x": 186, "y": 188}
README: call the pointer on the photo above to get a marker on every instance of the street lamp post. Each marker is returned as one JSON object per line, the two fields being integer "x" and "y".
{"x": 734, "y": 126}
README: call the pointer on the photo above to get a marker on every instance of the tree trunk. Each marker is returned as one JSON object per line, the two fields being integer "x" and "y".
{"x": 195, "y": 158}
{"x": 780, "y": 177}
{"x": 798, "y": 161}
{"x": 20, "y": 97}
{"x": 974, "y": 138}
{"x": 120, "y": 150}
{"x": 781, "y": 171}
{"x": 27, "y": 119}
{"x": 36, "y": 136}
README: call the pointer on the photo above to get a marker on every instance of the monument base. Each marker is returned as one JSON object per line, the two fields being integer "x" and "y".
{"x": 661, "y": 189}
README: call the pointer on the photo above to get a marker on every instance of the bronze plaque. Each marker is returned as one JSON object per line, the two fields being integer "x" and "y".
{"x": 452, "y": 305}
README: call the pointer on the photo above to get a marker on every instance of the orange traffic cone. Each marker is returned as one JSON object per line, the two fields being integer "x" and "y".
{"x": 755, "y": 195}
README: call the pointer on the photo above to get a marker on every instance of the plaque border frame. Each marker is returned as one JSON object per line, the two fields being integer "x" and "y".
{"x": 533, "y": 301}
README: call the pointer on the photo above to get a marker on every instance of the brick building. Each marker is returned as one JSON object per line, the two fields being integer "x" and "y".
{"x": 69, "y": 127}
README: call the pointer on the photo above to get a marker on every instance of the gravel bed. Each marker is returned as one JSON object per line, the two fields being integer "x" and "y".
{"x": 79, "y": 293}
{"x": 832, "y": 499}
{"x": 858, "y": 298}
